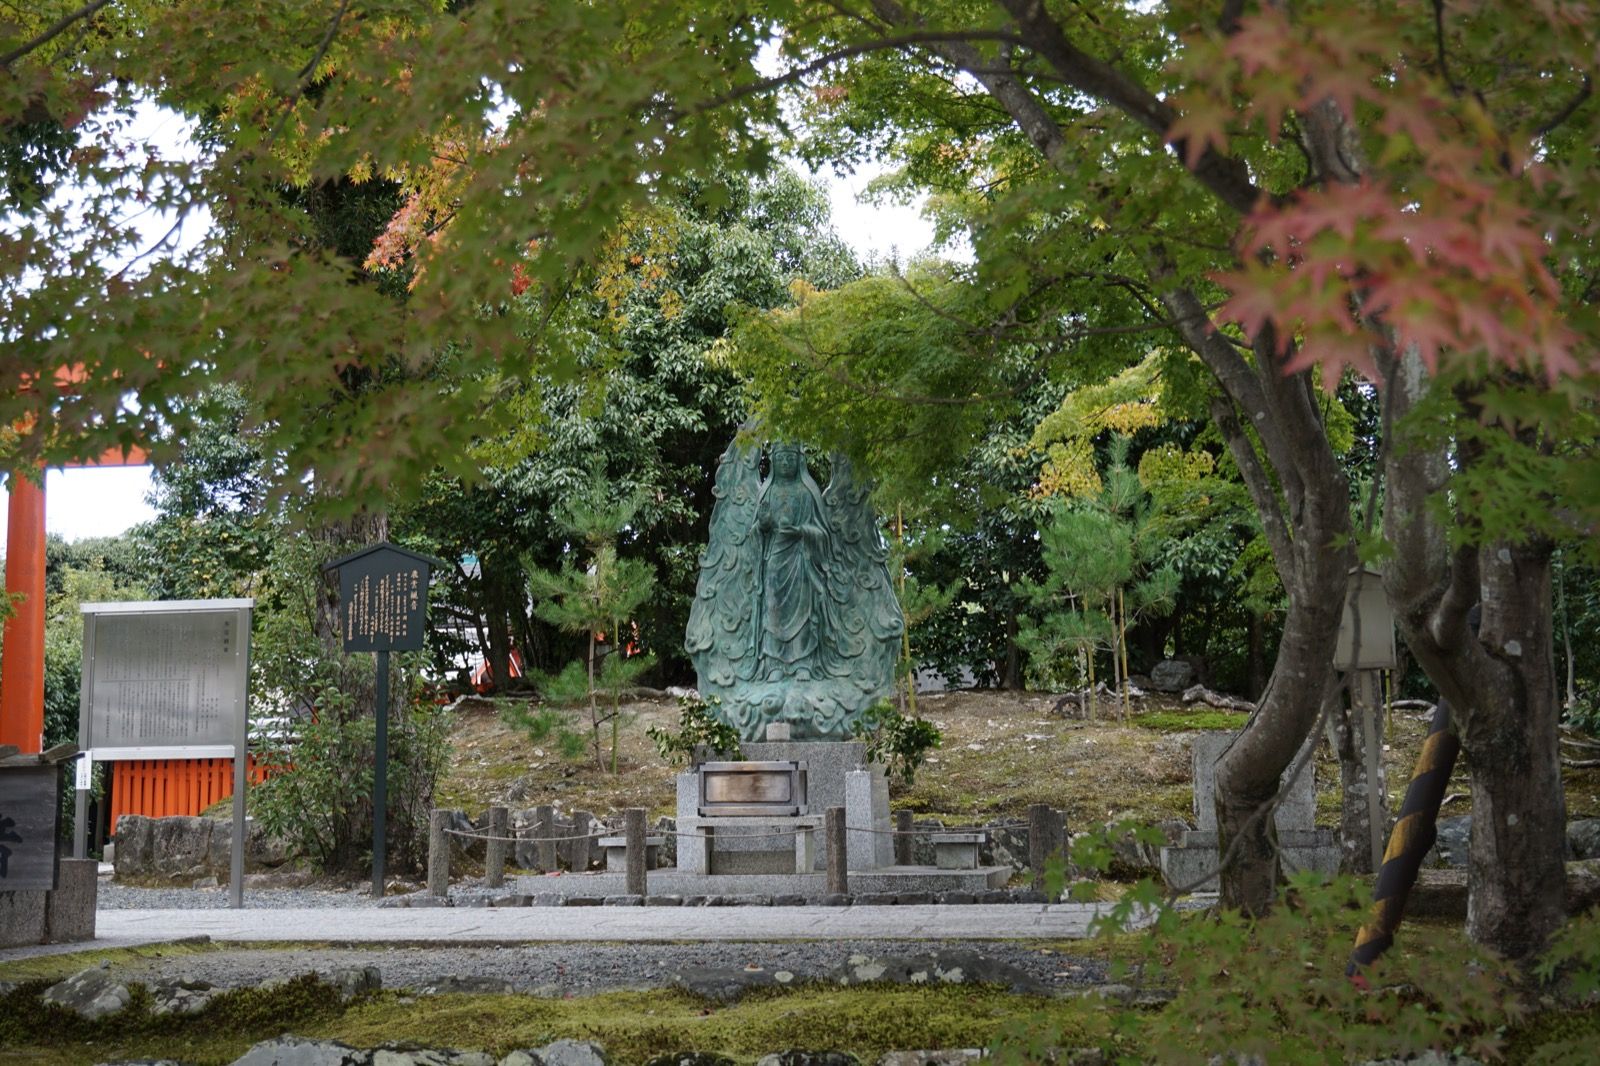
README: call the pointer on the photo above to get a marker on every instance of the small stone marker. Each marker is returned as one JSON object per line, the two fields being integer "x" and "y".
{"x": 1302, "y": 845}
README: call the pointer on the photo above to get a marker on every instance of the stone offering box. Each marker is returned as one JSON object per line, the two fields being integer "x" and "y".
{"x": 616, "y": 849}
{"x": 957, "y": 851}
{"x": 772, "y": 788}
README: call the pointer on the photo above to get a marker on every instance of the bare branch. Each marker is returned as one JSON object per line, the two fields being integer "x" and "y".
{"x": 1583, "y": 94}
{"x": 882, "y": 44}
{"x": 307, "y": 72}
{"x": 56, "y": 29}
{"x": 322, "y": 49}
{"x": 1439, "y": 49}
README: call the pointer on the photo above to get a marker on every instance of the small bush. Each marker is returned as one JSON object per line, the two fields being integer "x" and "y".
{"x": 698, "y": 727}
{"x": 899, "y": 743}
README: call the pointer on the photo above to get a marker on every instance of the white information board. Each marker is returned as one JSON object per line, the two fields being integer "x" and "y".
{"x": 164, "y": 679}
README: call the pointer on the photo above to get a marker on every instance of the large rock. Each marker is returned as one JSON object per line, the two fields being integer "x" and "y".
{"x": 795, "y": 1057}
{"x": 185, "y": 848}
{"x": 1583, "y": 838}
{"x": 296, "y": 1051}
{"x": 181, "y": 995}
{"x": 1172, "y": 675}
{"x": 572, "y": 1053}
{"x": 91, "y": 994}
{"x": 1583, "y": 885}
{"x": 1454, "y": 836}
{"x": 940, "y": 967}
{"x": 724, "y": 984}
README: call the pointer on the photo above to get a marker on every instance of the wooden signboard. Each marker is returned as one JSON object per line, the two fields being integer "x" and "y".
{"x": 383, "y": 607}
{"x": 30, "y": 817}
{"x": 383, "y": 598}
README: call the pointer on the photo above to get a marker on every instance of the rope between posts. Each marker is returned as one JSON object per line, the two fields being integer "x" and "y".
{"x": 530, "y": 840}
{"x": 742, "y": 836}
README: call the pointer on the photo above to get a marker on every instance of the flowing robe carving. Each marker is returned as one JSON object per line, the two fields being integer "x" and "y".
{"x": 794, "y": 618}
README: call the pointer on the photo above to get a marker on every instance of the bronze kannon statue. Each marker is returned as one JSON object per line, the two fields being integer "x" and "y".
{"x": 794, "y": 618}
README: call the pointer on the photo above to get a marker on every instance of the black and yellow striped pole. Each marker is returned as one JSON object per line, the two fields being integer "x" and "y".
{"x": 1413, "y": 835}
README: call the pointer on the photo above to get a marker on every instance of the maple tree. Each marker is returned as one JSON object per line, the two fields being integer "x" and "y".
{"x": 1399, "y": 188}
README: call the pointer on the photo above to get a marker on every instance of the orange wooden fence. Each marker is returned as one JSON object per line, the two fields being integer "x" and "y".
{"x": 160, "y": 787}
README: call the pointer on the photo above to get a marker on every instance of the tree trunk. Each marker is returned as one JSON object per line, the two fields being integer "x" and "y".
{"x": 1517, "y": 880}
{"x": 1256, "y": 660}
{"x": 1249, "y": 771}
{"x": 1498, "y": 674}
{"x": 498, "y": 601}
{"x": 1358, "y": 750}
{"x": 1011, "y": 674}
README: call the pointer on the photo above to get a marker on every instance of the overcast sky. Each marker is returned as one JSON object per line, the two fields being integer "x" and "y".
{"x": 91, "y": 502}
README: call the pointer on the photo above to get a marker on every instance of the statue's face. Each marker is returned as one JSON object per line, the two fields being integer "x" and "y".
{"x": 785, "y": 464}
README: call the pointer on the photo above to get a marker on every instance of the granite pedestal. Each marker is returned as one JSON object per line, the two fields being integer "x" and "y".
{"x": 837, "y": 775}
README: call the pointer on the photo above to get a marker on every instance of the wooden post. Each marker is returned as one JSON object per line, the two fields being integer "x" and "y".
{"x": 581, "y": 848}
{"x": 838, "y": 854}
{"x": 544, "y": 828}
{"x": 438, "y": 853}
{"x": 22, "y": 668}
{"x": 494, "y": 856}
{"x": 902, "y": 838}
{"x": 633, "y": 831}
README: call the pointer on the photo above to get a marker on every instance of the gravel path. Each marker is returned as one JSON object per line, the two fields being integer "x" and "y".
{"x": 546, "y": 969}
{"x": 115, "y": 897}
{"x": 576, "y": 969}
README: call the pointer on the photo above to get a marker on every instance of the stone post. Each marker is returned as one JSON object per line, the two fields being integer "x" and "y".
{"x": 438, "y": 853}
{"x": 633, "y": 830}
{"x": 544, "y": 829}
{"x": 838, "y": 854}
{"x": 902, "y": 838}
{"x": 1040, "y": 834}
{"x": 494, "y": 854}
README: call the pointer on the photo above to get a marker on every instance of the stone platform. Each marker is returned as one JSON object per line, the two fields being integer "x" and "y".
{"x": 812, "y": 886}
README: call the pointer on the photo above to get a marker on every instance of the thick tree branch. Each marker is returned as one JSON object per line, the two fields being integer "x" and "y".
{"x": 1227, "y": 178}
{"x": 1279, "y": 539}
{"x": 55, "y": 30}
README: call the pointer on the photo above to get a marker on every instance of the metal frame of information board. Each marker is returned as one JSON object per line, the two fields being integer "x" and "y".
{"x": 241, "y": 610}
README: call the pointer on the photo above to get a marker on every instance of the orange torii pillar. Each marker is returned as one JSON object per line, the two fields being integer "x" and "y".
{"x": 22, "y": 664}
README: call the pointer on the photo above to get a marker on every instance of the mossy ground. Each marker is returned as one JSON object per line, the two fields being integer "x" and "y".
{"x": 632, "y": 1026}
{"x": 635, "y": 1026}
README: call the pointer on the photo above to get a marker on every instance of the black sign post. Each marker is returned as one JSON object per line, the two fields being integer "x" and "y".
{"x": 383, "y": 607}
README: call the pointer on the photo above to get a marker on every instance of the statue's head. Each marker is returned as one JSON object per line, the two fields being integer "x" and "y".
{"x": 787, "y": 460}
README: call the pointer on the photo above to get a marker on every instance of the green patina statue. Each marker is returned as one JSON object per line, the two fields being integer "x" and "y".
{"x": 794, "y": 619}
